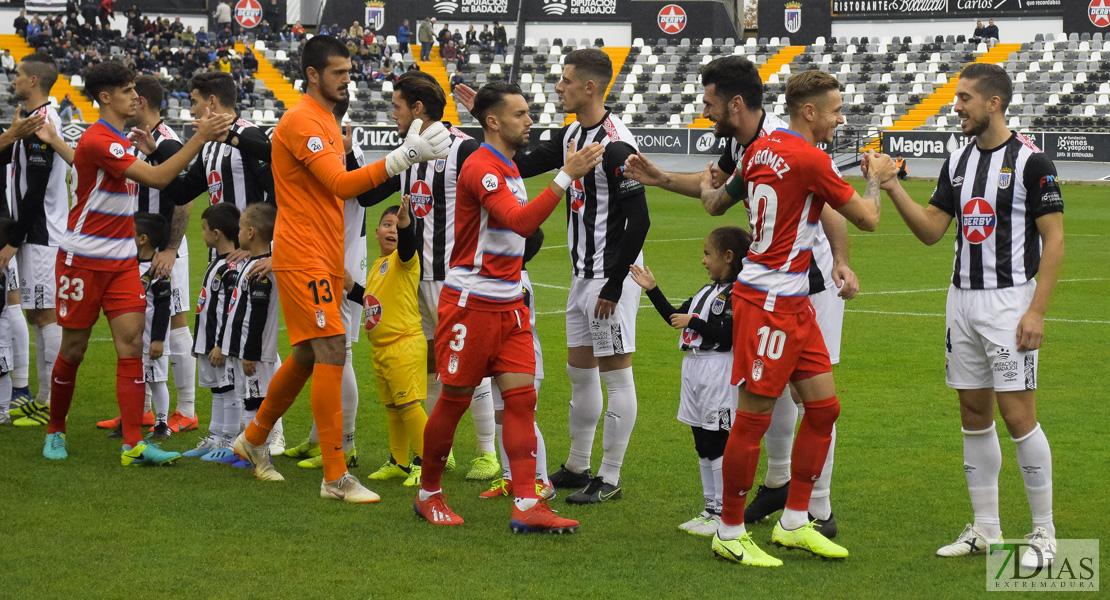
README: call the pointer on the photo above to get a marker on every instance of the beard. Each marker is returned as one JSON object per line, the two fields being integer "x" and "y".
{"x": 976, "y": 127}
{"x": 341, "y": 105}
{"x": 724, "y": 129}
{"x": 518, "y": 142}
{"x": 336, "y": 95}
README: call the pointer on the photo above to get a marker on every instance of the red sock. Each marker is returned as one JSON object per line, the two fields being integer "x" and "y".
{"x": 327, "y": 411}
{"x": 130, "y": 394}
{"x": 811, "y": 446}
{"x": 61, "y": 394}
{"x": 519, "y": 437}
{"x": 439, "y": 436}
{"x": 741, "y": 460}
{"x": 288, "y": 381}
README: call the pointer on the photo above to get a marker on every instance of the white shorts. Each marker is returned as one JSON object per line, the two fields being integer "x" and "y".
{"x": 13, "y": 275}
{"x": 428, "y": 298}
{"x": 352, "y": 320}
{"x": 211, "y": 377}
{"x": 830, "y": 319}
{"x": 36, "y": 275}
{"x": 253, "y": 386}
{"x": 615, "y": 335}
{"x": 708, "y": 400}
{"x": 156, "y": 370}
{"x": 179, "y": 281}
{"x": 980, "y": 339}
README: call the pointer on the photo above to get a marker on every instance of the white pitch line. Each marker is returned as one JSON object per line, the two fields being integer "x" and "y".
{"x": 917, "y": 314}
{"x": 671, "y": 240}
{"x": 946, "y": 289}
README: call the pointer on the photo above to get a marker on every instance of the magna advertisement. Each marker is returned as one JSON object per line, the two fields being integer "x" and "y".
{"x": 1078, "y": 147}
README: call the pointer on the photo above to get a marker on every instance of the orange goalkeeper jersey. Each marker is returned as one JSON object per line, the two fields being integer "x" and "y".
{"x": 311, "y": 182}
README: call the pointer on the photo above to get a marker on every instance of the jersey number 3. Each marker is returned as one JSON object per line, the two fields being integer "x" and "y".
{"x": 71, "y": 289}
{"x": 321, "y": 291}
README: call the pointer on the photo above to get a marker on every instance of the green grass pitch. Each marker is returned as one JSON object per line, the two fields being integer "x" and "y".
{"x": 86, "y": 527}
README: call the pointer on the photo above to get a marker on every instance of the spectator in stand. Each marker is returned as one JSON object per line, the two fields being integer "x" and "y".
{"x": 355, "y": 31}
{"x": 88, "y": 12}
{"x": 386, "y": 68}
{"x": 7, "y": 62}
{"x": 223, "y": 15}
{"x": 425, "y": 34}
{"x": 368, "y": 35}
{"x": 375, "y": 51}
{"x": 398, "y": 70}
{"x": 368, "y": 70}
{"x": 450, "y": 52}
{"x": 298, "y": 32}
{"x": 900, "y": 164}
{"x": 471, "y": 36}
{"x": 21, "y": 24}
{"x": 250, "y": 61}
{"x": 273, "y": 15}
{"x": 225, "y": 37}
{"x": 485, "y": 39}
{"x": 107, "y": 12}
{"x": 980, "y": 34}
{"x": 456, "y": 78}
{"x": 403, "y": 38}
{"x": 443, "y": 37}
{"x": 413, "y": 66}
{"x": 134, "y": 18}
{"x": 991, "y": 31}
{"x": 457, "y": 37}
{"x": 177, "y": 28}
{"x": 500, "y": 38}
{"x": 188, "y": 37}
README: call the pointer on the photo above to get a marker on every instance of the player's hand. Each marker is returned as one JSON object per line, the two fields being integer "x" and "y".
{"x": 1030, "y": 331}
{"x": 882, "y": 166}
{"x": 640, "y": 168}
{"x": 47, "y": 131}
{"x": 216, "y": 357}
{"x": 680, "y": 321}
{"x": 213, "y": 126}
{"x": 642, "y": 276}
{"x": 348, "y": 139}
{"x": 419, "y": 146}
{"x": 846, "y": 281}
{"x": 404, "y": 219}
{"x": 163, "y": 261}
{"x": 140, "y": 138}
{"x": 23, "y": 127}
{"x": 604, "y": 308}
{"x": 719, "y": 176}
{"x": 464, "y": 96}
{"x": 348, "y": 282}
{"x": 237, "y": 256}
{"x": 580, "y": 163}
{"x": 249, "y": 367}
{"x": 708, "y": 178}
{"x": 6, "y": 255}
{"x": 262, "y": 267}
{"x": 156, "y": 349}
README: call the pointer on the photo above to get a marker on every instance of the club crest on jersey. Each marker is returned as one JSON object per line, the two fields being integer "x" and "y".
{"x": 315, "y": 144}
{"x": 453, "y": 364}
{"x": 385, "y": 267}
{"x": 489, "y": 182}
{"x": 441, "y": 164}
{"x": 321, "y": 320}
{"x": 215, "y": 188}
{"x": 689, "y": 336}
{"x": 577, "y": 195}
{"x": 372, "y": 311}
{"x": 757, "y": 370}
{"x": 718, "y": 305}
{"x": 227, "y": 151}
{"x": 978, "y": 221}
{"x": 117, "y": 150}
{"x": 63, "y": 310}
{"x": 1004, "y": 178}
{"x": 132, "y": 188}
{"x": 420, "y": 197}
{"x": 202, "y": 300}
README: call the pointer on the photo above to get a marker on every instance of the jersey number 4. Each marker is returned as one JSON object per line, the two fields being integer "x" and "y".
{"x": 71, "y": 289}
{"x": 321, "y": 291}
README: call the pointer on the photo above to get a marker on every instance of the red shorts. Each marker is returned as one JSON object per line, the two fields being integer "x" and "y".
{"x": 82, "y": 293}
{"x": 773, "y": 349}
{"x": 310, "y": 303}
{"x": 472, "y": 344}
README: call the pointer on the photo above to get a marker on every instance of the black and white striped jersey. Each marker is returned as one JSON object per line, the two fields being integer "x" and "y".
{"x": 354, "y": 224}
{"x": 598, "y": 232}
{"x": 38, "y": 188}
{"x": 996, "y": 197}
{"x": 158, "y": 294}
{"x": 431, "y": 186}
{"x": 149, "y": 199}
{"x": 227, "y": 172}
{"x": 251, "y": 332}
{"x": 710, "y": 328}
{"x": 216, "y": 290}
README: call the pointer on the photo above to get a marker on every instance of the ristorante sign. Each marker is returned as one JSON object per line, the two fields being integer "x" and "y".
{"x": 944, "y": 9}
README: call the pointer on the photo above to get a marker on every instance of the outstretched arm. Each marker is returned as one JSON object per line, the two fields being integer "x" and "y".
{"x": 717, "y": 200}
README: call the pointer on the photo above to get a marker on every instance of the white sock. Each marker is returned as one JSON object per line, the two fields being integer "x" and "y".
{"x": 820, "y": 506}
{"x": 216, "y": 423}
{"x": 481, "y": 408}
{"x": 159, "y": 400}
{"x": 779, "y": 440}
{"x": 541, "y": 455}
{"x": 982, "y": 463}
{"x": 313, "y": 437}
{"x": 21, "y": 346}
{"x": 349, "y": 402}
{"x": 50, "y": 336}
{"x": 146, "y": 400}
{"x": 620, "y": 418}
{"x": 233, "y": 415}
{"x": 5, "y": 392}
{"x": 425, "y": 495}
{"x": 506, "y": 474}
{"x": 40, "y": 366}
{"x": 434, "y": 388}
{"x": 718, "y": 465}
{"x": 730, "y": 532}
{"x": 586, "y": 405}
{"x": 1035, "y": 459}
{"x": 708, "y": 486}
{"x": 525, "y": 503}
{"x": 184, "y": 371}
{"x": 792, "y": 519}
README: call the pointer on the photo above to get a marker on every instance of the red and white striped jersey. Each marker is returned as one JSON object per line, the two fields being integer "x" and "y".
{"x": 789, "y": 181}
{"x": 488, "y": 255}
{"x": 100, "y": 234}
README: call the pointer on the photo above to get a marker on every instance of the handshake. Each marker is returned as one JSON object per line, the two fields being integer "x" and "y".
{"x": 419, "y": 146}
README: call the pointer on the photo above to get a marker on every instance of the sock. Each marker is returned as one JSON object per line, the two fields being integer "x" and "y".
{"x": 288, "y": 381}
{"x": 730, "y": 532}
{"x": 717, "y": 465}
{"x": 160, "y": 400}
{"x": 216, "y": 423}
{"x": 313, "y": 436}
{"x": 541, "y": 454}
{"x": 620, "y": 418}
{"x": 505, "y": 473}
{"x": 741, "y": 459}
{"x": 61, "y": 392}
{"x": 5, "y": 392}
{"x": 792, "y": 519}
{"x": 586, "y": 405}
{"x": 40, "y": 368}
{"x": 982, "y": 463}
{"x": 21, "y": 347}
{"x": 810, "y": 449}
{"x": 414, "y": 418}
{"x": 819, "y": 504}
{"x": 1035, "y": 459}
{"x": 130, "y": 389}
{"x": 350, "y": 403}
{"x": 439, "y": 436}
{"x": 519, "y": 421}
{"x": 525, "y": 503}
{"x": 434, "y": 389}
{"x": 146, "y": 401}
{"x": 233, "y": 415}
{"x": 51, "y": 335}
{"x": 184, "y": 371}
{"x": 481, "y": 409}
{"x": 780, "y": 439}
{"x": 327, "y": 411}
{"x": 705, "y": 466}
{"x": 398, "y": 436}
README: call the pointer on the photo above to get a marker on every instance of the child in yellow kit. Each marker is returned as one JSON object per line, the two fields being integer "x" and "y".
{"x": 398, "y": 348}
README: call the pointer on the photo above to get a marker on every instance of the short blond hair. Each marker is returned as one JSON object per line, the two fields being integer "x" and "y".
{"x": 803, "y": 87}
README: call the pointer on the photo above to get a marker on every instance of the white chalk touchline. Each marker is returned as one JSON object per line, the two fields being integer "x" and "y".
{"x": 944, "y": 289}
{"x": 671, "y": 240}
{"x": 917, "y": 314}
